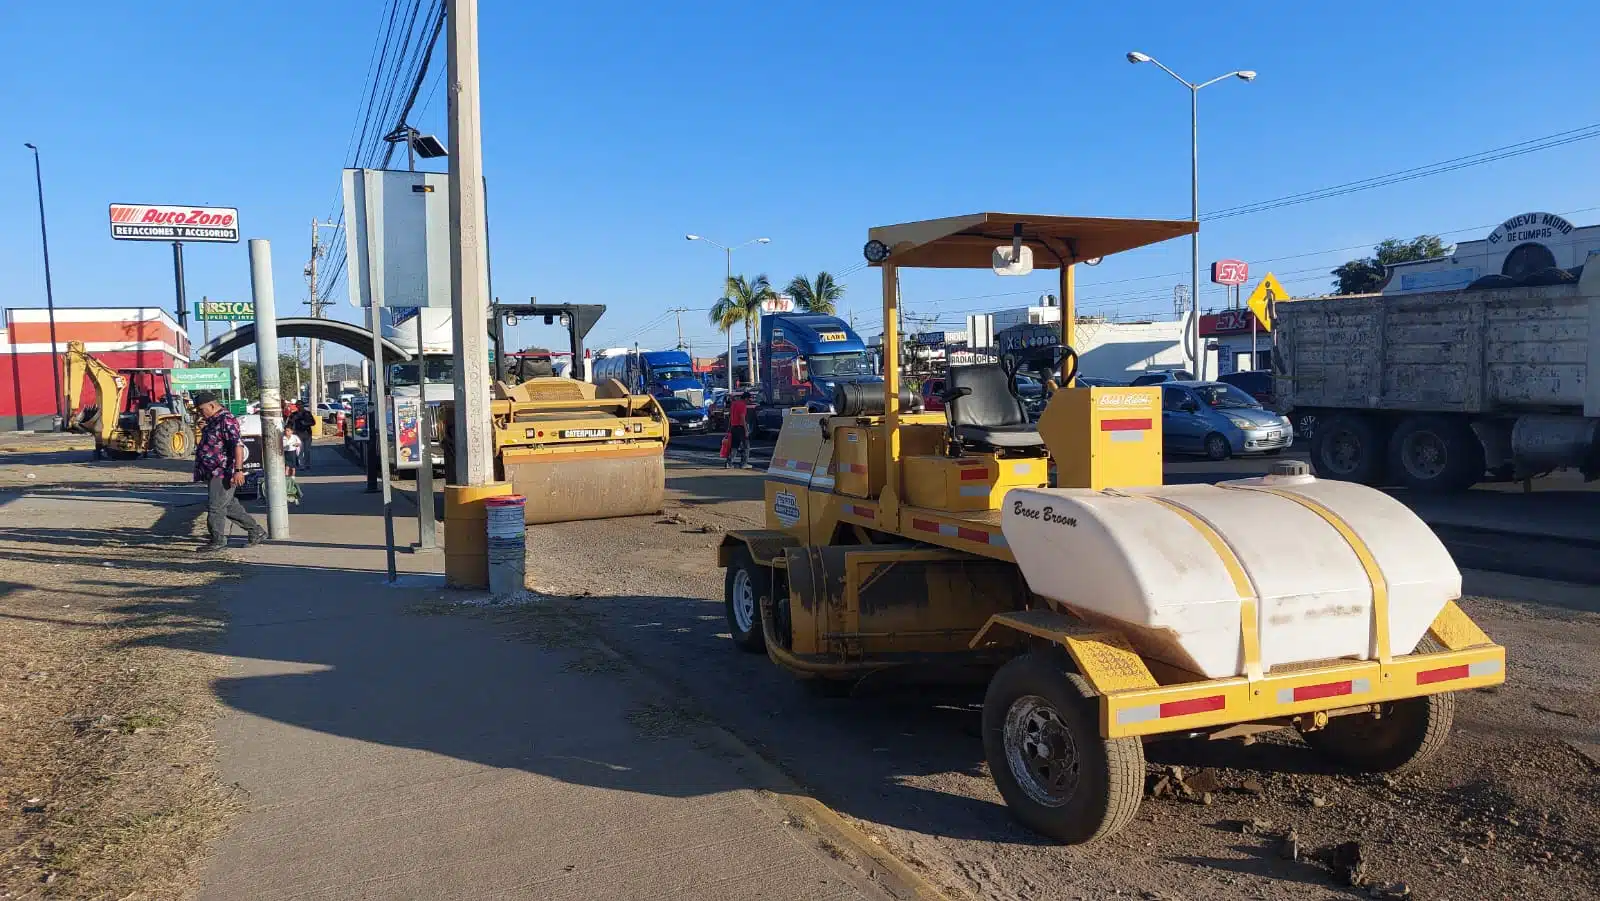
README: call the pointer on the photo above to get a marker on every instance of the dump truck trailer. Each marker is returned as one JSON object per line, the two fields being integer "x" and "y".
{"x": 1110, "y": 608}
{"x": 1441, "y": 390}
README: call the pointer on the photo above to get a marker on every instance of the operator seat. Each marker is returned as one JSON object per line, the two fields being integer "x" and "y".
{"x": 985, "y": 409}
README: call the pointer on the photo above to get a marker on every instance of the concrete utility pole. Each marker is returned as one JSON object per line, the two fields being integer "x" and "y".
{"x": 679, "y": 311}
{"x": 469, "y": 276}
{"x": 316, "y": 313}
{"x": 271, "y": 398}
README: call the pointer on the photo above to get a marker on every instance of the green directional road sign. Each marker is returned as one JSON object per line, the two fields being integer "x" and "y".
{"x": 201, "y": 379}
{"x": 226, "y": 310}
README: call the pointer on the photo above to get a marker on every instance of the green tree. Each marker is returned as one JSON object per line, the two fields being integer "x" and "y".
{"x": 741, "y": 302}
{"x": 1366, "y": 275}
{"x": 815, "y": 296}
{"x": 291, "y": 374}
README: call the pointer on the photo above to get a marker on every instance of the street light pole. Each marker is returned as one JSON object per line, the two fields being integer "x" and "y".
{"x": 1136, "y": 57}
{"x": 49, "y": 290}
{"x": 727, "y": 276}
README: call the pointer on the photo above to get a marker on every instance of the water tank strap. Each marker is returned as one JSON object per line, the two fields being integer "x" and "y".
{"x": 1249, "y": 617}
{"x": 1380, "y": 585}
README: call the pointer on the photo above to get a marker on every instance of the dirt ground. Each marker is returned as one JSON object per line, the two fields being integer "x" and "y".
{"x": 1510, "y": 809}
{"x": 108, "y": 785}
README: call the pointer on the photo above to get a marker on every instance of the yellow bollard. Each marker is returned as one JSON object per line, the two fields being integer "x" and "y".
{"x": 466, "y": 549}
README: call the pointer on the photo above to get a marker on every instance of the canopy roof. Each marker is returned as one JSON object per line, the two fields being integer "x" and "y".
{"x": 966, "y": 242}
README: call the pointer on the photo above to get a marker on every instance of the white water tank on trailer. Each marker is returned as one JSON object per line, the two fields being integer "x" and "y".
{"x": 1123, "y": 556}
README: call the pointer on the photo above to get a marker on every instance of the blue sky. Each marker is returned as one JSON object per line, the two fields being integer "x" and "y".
{"x": 610, "y": 132}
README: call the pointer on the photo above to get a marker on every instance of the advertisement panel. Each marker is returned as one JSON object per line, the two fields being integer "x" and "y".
{"x": 200, "y": 224}
{"x": 226, "y": 310}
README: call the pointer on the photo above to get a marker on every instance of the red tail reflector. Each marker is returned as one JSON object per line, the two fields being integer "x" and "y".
{"x": 1193, "y": 705}
{"x": 1445, "y": 674}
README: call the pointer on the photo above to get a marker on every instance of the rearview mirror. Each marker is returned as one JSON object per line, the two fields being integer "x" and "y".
{"x": 1190, "y": 405}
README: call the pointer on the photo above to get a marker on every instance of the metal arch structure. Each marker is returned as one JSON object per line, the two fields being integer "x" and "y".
{"x": 343, "y": 334}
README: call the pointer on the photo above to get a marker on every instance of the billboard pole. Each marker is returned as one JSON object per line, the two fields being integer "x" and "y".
{"x": 469, "y": 289}
{"x": 177, "y": 276}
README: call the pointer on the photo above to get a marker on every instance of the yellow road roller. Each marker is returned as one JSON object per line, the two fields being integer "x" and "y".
{"x": 1112, "y": 608}
{"x": 580, "y": 451}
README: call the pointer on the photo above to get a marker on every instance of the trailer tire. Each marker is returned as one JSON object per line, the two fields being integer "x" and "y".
{"x": 1090, "y": 786}
{"x": 1409, "y": 734}
{"x": 172, "y": 440}
{"x": 1348, "y": 447}
{"x": 742, "y": 598}
{"x": 1436, "y": 454}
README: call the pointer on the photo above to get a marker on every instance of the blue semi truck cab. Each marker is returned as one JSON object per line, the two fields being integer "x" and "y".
{"x": 803, "y": 356}
{"x": 663, "y": 373}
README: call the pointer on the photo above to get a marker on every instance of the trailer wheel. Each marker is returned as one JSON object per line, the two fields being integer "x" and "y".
{"x": 1407, "y": 735}
{"x": 742, "y": 595}
{"x": 172, "y": 440}
{"x": 1436, "y": 453}
{"x": 1041, "y": 736}
{"x": 1348, "y": 447}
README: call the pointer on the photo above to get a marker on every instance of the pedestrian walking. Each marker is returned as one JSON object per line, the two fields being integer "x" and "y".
{"x": 219, "y": 463}
{"x": 738, "y": 430}
{"x": 302, "y": 421}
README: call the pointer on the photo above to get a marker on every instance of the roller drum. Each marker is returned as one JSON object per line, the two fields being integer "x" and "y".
{"x": 570, "y": 487}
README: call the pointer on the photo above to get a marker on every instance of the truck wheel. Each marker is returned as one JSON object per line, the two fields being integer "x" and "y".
{"x": 1041, "y": 737}
{"x": 1404, "y": 737}
{"x": 1347, "y": 447}
{"x": 742, "y": 596}
{"x": 1217, "y": 447}
{"x": 1436, "y": 453}
{"x": 172, "y": 440}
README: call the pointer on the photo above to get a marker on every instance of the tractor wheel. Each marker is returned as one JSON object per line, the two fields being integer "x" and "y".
{"x": 742, "y": 593}
{"x": 1041, "y": 736}
{"x": 1406, "y": 735}
{"x": 172, "y": 440}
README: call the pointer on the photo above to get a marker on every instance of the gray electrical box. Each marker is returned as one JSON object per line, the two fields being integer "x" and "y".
{"x": 397, "y": 250}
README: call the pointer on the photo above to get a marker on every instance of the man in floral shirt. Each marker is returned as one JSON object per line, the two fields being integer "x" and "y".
{"x": 219, "y": 462}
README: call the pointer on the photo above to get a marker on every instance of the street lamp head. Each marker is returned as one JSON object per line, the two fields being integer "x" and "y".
{"x": 763, "y": 240}
{"x": 30, "y": 146}
{"x": 1246, "y": 74}
{"x": 1135, "y": 56}
{"x": 691, "y": 237}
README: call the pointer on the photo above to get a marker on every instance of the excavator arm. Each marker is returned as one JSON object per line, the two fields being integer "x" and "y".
{"x": 108, "y": 388}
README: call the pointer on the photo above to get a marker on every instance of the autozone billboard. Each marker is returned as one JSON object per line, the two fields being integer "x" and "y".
{"x": 140, "y": 222}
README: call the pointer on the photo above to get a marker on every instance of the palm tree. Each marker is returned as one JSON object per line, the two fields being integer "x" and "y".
{"x": 818, "y": 296}
{"x": 741, "y": 302}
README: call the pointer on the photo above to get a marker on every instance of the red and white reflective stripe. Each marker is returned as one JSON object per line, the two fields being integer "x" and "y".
{"x": 973, "y": 475}
{"x": 854, "y": 467}
{"x": 1460, "y": 671}
{"x": 863, "y": 512}
{"x": 790, "y": 470}
{"x": 1185, "y": 707}
{"x": 1125, "y": 425}
{"x": 1323, "y": 690}
{"x": 948, "y": 530}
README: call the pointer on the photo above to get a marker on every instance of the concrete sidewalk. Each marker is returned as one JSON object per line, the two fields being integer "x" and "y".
{"x": 390, "y": 755}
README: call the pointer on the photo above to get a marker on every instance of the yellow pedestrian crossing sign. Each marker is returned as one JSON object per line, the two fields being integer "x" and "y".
{"x": 1261, "y": 301}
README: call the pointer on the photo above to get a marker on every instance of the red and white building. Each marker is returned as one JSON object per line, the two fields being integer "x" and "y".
{"x": 121, "y": 337}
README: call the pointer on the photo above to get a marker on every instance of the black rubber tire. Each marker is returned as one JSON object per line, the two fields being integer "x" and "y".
{"x": 752, "y": 639}
{"x": 1358, "y": 436}
{"x": 1217, "y": 447}
{"x": 1110, "y": 772}
{"x": 172, "y": 440}
{"x": 1410, "y": 733}
{"x": 1463, "y": 464}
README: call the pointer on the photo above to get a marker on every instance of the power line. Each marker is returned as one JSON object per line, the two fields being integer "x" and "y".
{"x": 1532, "y": 145}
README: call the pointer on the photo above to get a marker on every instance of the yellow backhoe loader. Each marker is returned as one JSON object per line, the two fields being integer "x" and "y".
{"x": 133, "y": 412}
{"x": 1111, "y": 608}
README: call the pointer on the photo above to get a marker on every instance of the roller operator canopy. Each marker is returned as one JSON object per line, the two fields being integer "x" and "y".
{"x": 966, "y": 242}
